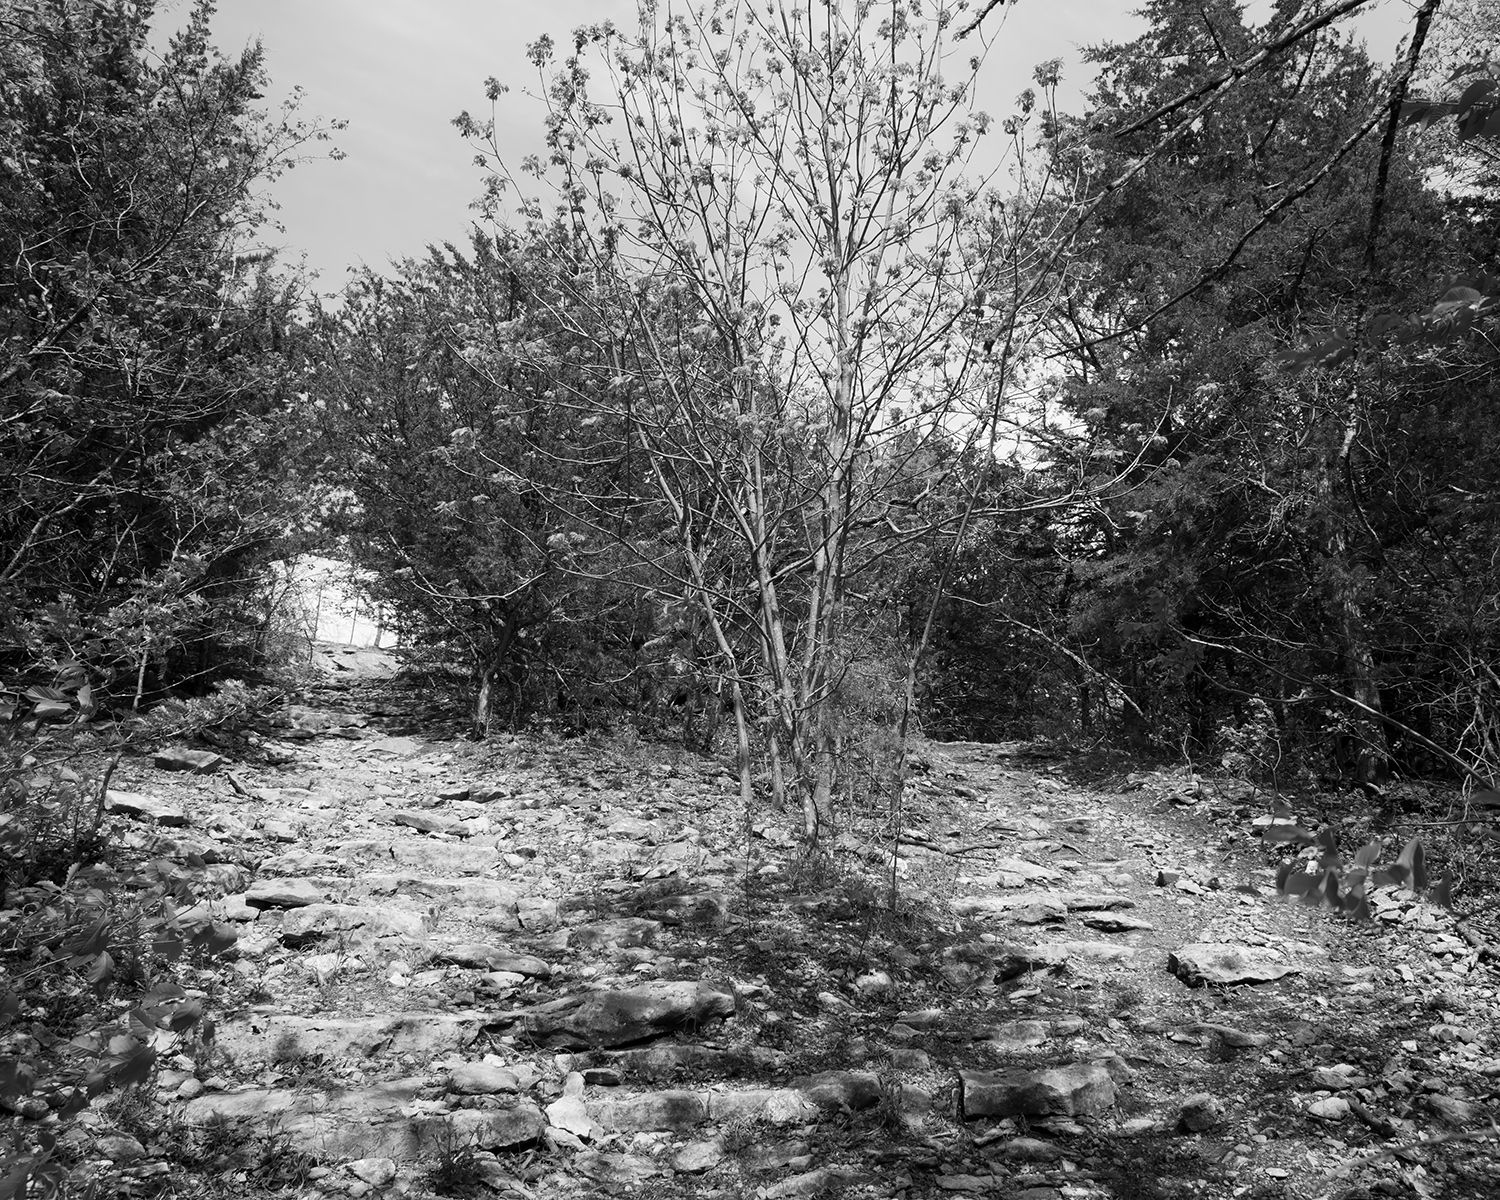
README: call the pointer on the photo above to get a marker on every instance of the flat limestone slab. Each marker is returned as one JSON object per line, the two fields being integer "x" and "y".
{"x": 1226, "y": 963}
{"x": 1062, "y": 902}
{"x": 1017, "y": 873}
{"x": 314, "y": 921}
{"x": 485, "y": 957}
{"x": 1073, "y": 1090}
{"x": 148, "y": 808}
{"x": 370, "y": 1122}
{"x": 610, "y": 1019}
{"x": 276, "y": 1037}
{"x": 180, "y": 758}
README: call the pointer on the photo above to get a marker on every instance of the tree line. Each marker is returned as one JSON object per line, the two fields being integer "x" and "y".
{"x": 788, "y": 400}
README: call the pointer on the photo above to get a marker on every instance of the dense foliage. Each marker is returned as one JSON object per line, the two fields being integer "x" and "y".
{"x": 147, "y": 467}
{"x": 1320, "y": 540}
{"x": 445, "y": 398}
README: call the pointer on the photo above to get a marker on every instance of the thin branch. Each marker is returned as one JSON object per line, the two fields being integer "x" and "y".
{"x": 1387, "y": 145}
{"x": 1235, "y": 71}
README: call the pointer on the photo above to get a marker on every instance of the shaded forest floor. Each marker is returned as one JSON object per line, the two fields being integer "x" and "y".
{"x": 537, "y": 967}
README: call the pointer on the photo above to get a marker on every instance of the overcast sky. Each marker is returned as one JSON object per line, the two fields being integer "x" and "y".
{"x": 399, "y": 71}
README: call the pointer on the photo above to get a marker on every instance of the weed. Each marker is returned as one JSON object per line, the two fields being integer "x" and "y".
{"x": 1126, "y": 995}
{"x": 276, "y": 1162}
{"x": 887, "y": 1115}
{"x": 745, "y": 1133}
{"x": 287, "y": 1051}
{"x": 458, "y": 1171}
{"x": 132, "y": 1111}
{"x": 219, "y": 1141}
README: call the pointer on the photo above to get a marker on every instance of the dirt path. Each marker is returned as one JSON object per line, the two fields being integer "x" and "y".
{"x": 549, "y": 969}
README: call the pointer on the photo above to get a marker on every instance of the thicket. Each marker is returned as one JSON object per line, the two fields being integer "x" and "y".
{"x": 703, "y": 425}
{"x": 152, "y": 472}
{"x": 150, "y": 464}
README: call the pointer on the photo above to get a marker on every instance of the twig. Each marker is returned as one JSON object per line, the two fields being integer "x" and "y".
{"x": 1471, "y": 935}
{"x": 104, "y": 789}
{"x": 1478, "y": 1135}
{"x": 1384, "y": 1126}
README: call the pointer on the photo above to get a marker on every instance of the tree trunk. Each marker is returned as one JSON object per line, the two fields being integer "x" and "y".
{"x": 488, "y": 675}
{"x": 1372, "y": 755}
{"x": 742, "y": 748}
{"x": 484, "y": 700}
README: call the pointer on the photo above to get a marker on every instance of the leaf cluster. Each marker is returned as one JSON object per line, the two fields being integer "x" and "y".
{"x": 1328, "y": 882}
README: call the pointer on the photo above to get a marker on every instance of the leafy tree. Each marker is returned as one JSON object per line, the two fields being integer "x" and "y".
{"x": 439, "y": 388}
{"x": 146, "y": 354}
{"x": 1245, "y": 561}
{"x": 777, "y": 234}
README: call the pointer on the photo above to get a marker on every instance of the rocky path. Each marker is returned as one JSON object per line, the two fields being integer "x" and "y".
{"x": 539, "y": 968}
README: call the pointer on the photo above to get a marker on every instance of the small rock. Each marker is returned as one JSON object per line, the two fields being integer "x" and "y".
{"x": 284, "y": 893}
{"x": 377, "y": 1172}
{"x": 178, "y": 758}
{"x": 119, "y": 1148}
{"x": 482, "y": 1079}
{"x": 1335, "y": 1108}
{"x": 570, "y": 1114}
{"x": 145, "y": 807}
{"x": 697, "y": 1157}
{"x": 536, "y": 913}
{"x": 1199, "y": 1111}
{"x": 1332, "y": 1079}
